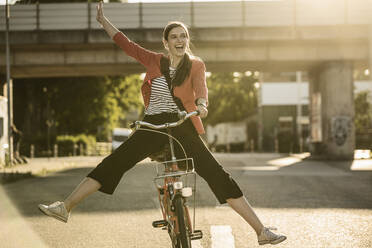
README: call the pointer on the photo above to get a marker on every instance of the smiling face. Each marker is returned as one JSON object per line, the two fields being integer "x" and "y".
{"x": 178, "y": 41}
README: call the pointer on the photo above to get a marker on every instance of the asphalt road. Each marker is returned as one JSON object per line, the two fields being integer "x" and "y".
{"x": 314, "y": 203}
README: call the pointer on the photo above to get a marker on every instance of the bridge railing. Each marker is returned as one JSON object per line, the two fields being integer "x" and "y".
{"x": 79, "y": 16}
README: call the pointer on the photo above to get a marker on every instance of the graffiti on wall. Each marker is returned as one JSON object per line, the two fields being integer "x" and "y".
{"x": 340, "y": 129}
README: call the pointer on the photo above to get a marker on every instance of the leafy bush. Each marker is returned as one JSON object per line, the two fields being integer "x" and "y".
{"x": 87, "y": 144}
{"x": 66, "y": 145}
{"x": 81, "y": 144}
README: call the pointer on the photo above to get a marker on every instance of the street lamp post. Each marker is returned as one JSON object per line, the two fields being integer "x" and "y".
{"x": 299, "y": 111}
{"x": 370, "y": 50}
{"x": 260, "y": 114}
{"x": 9, "y": 83}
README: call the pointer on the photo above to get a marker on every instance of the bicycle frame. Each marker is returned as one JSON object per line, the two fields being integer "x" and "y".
{"x": 168, "y": 190}
{"x": 172, "y": 192}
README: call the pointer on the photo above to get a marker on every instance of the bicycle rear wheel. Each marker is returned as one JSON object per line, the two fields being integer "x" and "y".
{"x": 183, "y": 237}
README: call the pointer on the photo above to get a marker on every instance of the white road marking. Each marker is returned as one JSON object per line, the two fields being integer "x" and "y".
{"x": 221, "y": 237}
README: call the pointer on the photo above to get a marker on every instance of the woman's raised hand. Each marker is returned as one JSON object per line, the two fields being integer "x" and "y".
{"x": 100, "y": 17}
{"x": 110, "y": 29}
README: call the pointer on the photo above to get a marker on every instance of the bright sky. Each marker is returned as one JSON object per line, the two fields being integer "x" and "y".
{"x": 2, "y": 2}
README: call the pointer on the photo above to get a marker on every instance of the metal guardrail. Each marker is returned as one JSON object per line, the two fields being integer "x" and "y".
{"x": 275, "y": 13}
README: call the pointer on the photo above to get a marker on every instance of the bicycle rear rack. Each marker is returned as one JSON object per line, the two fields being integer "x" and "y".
{"x": 189, "y": 162}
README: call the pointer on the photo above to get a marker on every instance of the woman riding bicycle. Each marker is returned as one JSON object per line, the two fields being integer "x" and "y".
{"x": 172, "y": 83}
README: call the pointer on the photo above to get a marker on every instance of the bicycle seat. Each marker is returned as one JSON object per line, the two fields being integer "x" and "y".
{"x": 162, "y": 155}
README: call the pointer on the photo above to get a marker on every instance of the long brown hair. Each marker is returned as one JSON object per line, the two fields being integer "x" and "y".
{"x": 184, "y": 67}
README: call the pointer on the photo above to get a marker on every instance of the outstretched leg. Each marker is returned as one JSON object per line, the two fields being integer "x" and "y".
{"x": 84, "y": 189}
{"x": 223, "y": 185}
{"x": 244, "y": 209}
{"x": 61, "y": 210}
{"x": 107, "y": 175}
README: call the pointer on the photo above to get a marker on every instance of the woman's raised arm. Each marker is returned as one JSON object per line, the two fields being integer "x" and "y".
{"x": 142, "y": 55}
{"x": 110, "y": 29}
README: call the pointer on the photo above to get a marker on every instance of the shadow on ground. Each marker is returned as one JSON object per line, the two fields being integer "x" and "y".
{"x": 12, "y": 177}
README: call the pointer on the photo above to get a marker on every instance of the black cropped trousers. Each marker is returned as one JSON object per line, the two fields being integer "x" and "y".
{"x": 143, "y": 143}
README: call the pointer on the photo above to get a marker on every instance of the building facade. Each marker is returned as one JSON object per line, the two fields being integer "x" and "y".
{"x": 3, "y": 128}
{"x": 285, "y": 115}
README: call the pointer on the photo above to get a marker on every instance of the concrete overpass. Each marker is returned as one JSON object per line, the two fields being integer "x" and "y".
{"x": 65, "y": 40}
{"x": 90, "y": 53}
{"x": 327, "y": 38}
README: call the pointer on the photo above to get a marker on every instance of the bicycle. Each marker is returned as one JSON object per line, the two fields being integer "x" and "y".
{"x": 173, "y": 193}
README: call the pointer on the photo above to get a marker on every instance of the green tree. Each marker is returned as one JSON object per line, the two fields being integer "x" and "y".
{"x": 72, "y": 106}
{"x": 95, "y": 105}
{"x": 231, "y": 98}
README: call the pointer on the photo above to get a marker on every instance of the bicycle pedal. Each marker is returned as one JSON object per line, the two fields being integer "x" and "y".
{"x": 197, "y": 234}
{"x": 159, "y": 223}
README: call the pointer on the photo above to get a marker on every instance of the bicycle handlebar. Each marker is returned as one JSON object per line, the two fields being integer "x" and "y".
{"x": 182, "y": 115}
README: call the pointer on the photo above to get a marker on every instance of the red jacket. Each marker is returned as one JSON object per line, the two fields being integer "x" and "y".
{"x": 192, "y": 88}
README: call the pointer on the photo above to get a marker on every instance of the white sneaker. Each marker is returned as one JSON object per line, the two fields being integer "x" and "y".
{"x": 268, "y": 237}
{"x": 56, "y": 210}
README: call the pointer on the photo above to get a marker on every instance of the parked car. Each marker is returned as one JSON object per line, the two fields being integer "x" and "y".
{"x": 119, "y": 135}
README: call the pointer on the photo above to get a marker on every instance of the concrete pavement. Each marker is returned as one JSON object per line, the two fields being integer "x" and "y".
{"x": 314, "y": 203}
{"x": 235, "y": 161}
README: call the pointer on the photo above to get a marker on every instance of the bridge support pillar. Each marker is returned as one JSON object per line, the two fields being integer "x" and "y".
{"x": 332, "y": 111}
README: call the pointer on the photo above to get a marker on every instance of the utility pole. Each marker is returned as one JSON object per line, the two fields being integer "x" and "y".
{"x": 299, "y": 110}
{"x": 260, "y": 115}
{"x": 370, "y": 50}
{"x": 9, "y": 83}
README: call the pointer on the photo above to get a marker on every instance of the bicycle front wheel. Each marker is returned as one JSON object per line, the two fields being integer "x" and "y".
{"x": 183, "y": 236}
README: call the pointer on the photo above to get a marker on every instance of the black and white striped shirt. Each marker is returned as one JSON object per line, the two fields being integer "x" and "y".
{"x": 161, "y": 100}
